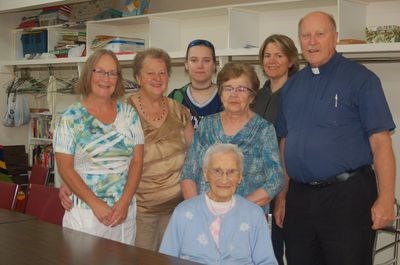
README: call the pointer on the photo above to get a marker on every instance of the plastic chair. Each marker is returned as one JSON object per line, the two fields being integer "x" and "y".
{"x": 8, "y": 195}
{"x": 391, "y": 243}
{"x": 39, "y": 175}
{"x": 43, "y": 202}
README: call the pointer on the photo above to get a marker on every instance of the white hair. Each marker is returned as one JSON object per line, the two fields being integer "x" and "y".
{"x": 221, "y": 148}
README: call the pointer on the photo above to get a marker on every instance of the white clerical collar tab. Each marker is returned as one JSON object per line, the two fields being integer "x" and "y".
{"x": 315, "y": 70}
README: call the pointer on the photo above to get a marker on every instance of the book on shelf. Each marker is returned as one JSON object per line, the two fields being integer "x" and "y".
{"x": 72, "y": 33}
{"x": 65, "y": 42}
{"x": 64, "y": 8}
{"x": 42, "y": 154}
{"x": 40, "y": 127}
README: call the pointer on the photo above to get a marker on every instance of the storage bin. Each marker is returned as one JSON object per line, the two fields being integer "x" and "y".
{"x": 125, "y": 45}
{"x": 34, "y": 42}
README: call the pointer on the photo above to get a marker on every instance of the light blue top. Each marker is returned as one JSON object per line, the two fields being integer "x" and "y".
{"x": 244, "y": 236}
{"x": 102, "y": 152}
{"x": 258, "y": 142}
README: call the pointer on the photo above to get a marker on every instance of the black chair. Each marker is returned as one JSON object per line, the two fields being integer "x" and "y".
{"x": 16, "y": 162}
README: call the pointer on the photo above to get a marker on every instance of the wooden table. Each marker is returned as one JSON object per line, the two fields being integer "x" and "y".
{"x": 33, "y": 242}
{"x": 7, "y": 216}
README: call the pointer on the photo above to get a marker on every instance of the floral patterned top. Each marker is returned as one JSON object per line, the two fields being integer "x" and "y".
{"x": 258, "y": 142}
{"x": 102, "y": 152}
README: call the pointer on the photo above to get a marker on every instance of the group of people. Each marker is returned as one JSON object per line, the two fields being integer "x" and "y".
{"x": 186, "y": 174}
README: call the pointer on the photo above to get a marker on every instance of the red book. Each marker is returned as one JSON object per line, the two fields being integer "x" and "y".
{"x": 65, "y": 8}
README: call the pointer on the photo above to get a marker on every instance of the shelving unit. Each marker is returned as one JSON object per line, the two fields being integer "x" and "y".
{"x": 231, "y": 28}
{"x": 40, "y": 140}
{"x": 53, "y": 33}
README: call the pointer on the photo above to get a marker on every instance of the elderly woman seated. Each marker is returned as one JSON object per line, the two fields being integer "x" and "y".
{"x": 220, "y": 227}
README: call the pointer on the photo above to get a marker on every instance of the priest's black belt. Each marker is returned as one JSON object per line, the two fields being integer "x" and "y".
{"x": 342, "y": 177}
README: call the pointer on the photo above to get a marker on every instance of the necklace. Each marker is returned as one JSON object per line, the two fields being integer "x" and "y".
{"x": 203, "y": 88}
{"x": 158, "y": 117}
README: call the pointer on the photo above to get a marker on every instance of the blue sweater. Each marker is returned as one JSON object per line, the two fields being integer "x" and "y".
{"x": 244, "y": 237}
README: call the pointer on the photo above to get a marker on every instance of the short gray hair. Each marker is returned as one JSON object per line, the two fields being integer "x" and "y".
{"x": 222, "y": 148}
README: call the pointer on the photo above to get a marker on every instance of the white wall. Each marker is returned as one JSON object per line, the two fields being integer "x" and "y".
{"x": 387, "y": 13}
{"x": 8, "y": 136}
{"x": 168, "y": 5}
{"x": 389, "y": 75}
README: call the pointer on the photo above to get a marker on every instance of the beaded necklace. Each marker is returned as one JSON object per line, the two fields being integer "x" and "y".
{"x": 158, "y": 117}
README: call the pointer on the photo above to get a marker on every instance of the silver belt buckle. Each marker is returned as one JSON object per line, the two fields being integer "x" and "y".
{"x": 314, "y": 183}
{"x": 343, "y": 177}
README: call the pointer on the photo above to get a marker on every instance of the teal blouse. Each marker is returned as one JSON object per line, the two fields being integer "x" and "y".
{"x": 258, "y": 142}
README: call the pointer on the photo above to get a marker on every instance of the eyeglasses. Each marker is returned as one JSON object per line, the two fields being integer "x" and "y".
{"x": 102, "y": 73}
{"x": 201, "y": 42}
{"x": 230, "y": 173}
{"x": 238, "y": 89}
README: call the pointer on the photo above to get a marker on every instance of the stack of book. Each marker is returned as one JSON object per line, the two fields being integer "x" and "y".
{"x": 86, "y": 10}
{"x": 29, "y": 22}
{"x": 54, "y": 15}
{"x": 40, "y": 126}
{"x": 68, "y": 40}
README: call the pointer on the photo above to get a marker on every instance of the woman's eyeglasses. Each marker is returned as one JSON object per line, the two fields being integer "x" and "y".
{"x": 238, "y": 89}
{"x": 102, "y": 73}
{"x": 218, "y": 172}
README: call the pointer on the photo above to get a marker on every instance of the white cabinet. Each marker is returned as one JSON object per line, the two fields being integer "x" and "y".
{"x": 234, "y": 28}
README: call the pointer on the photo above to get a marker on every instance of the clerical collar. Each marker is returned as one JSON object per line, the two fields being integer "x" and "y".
{"x": 327, "y": 67}
{"x": 315, "y": 70}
